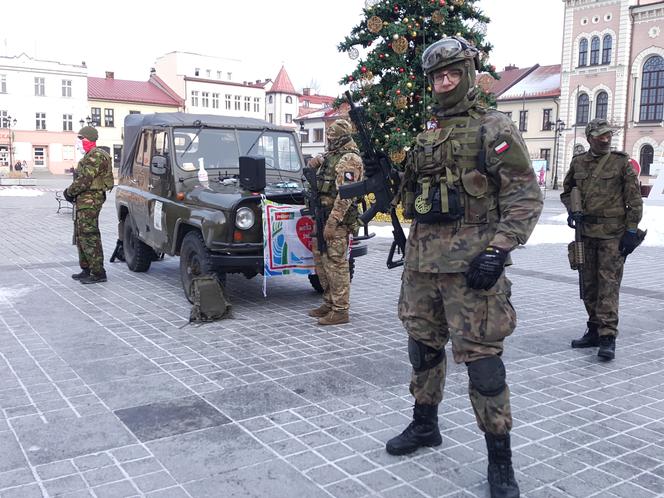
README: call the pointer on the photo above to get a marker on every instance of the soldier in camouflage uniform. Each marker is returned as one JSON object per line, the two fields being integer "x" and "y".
{"x": 92, "y": 179}
{"x": 612, "y": 209}
{"x": 340, "y": 164}
{"x": 472, "y": 193}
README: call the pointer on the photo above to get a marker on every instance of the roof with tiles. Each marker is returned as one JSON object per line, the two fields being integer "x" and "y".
{"x": 543, "y": 82}
{"x": 142, "y": 92}
{"x": 509, "y": 77}
{"x": 282, "y": 83}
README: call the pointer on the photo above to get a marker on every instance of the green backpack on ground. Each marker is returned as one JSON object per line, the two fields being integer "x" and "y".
{"x": 210, "y": 303}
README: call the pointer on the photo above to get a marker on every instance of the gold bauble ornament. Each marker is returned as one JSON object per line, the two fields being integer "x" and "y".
{"x": 397, "y": 156}
{"x": 409, "y": 85}
{"x": 437, "y": 17}
{"x": 400, "y": 46}
{"x": 401, "y": 102}
{"x": 375, "y": 24}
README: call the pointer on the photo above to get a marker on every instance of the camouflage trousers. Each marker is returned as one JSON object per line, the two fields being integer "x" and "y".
{"x": 602, "y": 275}
{"x": 88, "y": 238}
{"x": 437, "y": 307}
{"x": 333, "y": 271}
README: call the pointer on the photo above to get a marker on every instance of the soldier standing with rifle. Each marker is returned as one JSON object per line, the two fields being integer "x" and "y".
{"x": 607, "y": 214}
{"x": 472, "y": 192}
{"x": 341, "y": 164}
{"x": 92, "y": 179}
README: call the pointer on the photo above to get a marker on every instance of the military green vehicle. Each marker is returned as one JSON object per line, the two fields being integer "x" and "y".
{"x": 165, "y": 205}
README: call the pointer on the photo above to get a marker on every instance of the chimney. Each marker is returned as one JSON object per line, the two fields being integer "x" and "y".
{"x": 153, "y": 71}
{"x": 258, "y": 82}
{"x": 511, "y": 67}
{"x": 110, "y": 75}
{"x": 306, "y": 91}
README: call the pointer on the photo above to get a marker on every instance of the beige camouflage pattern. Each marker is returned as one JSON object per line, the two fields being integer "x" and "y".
{"x": 349, "y": 169}
{"x": 609, "y": 189}
{"x": 439, "y": 307}
{"x": 333, "y": 271}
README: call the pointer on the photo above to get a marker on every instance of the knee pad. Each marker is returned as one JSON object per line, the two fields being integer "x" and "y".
{"x": 488, "y": 376}
{"x": 423, "y": 357}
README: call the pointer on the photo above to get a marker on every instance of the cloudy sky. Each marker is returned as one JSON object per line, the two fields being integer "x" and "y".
{"x": 127, "y": 36}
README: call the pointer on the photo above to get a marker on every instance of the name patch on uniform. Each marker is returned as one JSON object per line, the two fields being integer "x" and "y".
{"x": 349, "y": 176}
{"x": 501, "y": 147}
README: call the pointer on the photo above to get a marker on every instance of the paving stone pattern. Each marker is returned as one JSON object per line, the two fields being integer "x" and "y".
{"x": 104, "y": 391}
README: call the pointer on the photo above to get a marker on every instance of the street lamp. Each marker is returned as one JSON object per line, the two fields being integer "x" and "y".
{"x": 9, "y": 121}
{"x": 87, "y": 121}
{"x": 559, "y": 127}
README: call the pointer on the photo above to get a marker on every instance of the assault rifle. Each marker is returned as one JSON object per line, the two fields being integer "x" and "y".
{"x": 577, "y": 216}
{"x": 315, "y": 208}
{"x": 74, "y": 213}
{"x": 384, "y": 184}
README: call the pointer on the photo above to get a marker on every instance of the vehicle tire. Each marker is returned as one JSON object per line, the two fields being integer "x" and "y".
{"x": 195, "y": 261}
{"x": 315, "y": 282}
{"x": 137, "y": 254}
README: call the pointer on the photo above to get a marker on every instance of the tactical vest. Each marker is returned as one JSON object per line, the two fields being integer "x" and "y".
{"x": 103, "y": 180}
{"x": 327, "y": 188}
{"x": 450, "y": 184}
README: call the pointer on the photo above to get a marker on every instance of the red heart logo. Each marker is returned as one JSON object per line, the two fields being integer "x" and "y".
{"x": 304, "y": 227}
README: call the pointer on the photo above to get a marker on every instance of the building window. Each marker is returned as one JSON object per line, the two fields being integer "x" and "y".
{"x": 523, "y": 120}
{"x": 109, "y": 118}
{"x": 304, "y": 136}
{"x": 39, "y": 87}
{"x": 194, "y": 98}
{"x": 238, "y": 105}
{"x": 66, "y": 88}
{"x": 247, "y": 104}
{"x": 4, "y": 121}
{"x": 218, "y": 75}
{"x": 508, "y": 114}
{"x": 652, "y": 90}
{"x": 270, "y": 117}
{"x": 546, "y": 120}
{"x": 40, "y": 121}
{"x": 545, "y": 154}
{"x": 289, "y": 118}
{"x": 215, "y": 101}
{"x": 607, "y": 45}
{"x": 3, "y": 83}
{"x": 269, "y": 99}
{"x": 205, "y": 99}
{"x": 228, "y": 101}
{"x": 229, "y": 75}
{"x": 583, "y": 52}
{"x": 594, "y": 51}
{"x": 95, "y": 116}
{"x": 318, "y": 134}
{"x": 208, "y": 73}
{"x": 645, "y": 159}
{"x": 67, "y": 122}
{"x": 257, "y": 104}
{"x": 197, "y": 71}
{"x": 582, "y": 109}
{"x": 601, "y": 105}
{"x": 289, "y": 99}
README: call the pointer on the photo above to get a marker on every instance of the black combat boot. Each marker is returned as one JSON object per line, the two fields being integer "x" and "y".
{"x": 85, "y": 272}
{"x": 589, "y": 340}
{"x": 94, "y": 278}
{"x": 422, "y": 431}
{"x": 500, "y": 474}
{"x": 607, "y": 347}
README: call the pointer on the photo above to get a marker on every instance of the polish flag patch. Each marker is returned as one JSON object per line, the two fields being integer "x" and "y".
{"x": 501, "y": 147}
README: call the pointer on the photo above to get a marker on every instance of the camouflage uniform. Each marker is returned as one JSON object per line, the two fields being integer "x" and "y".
{"x": 340, "y": 164}
{"x": 93, "y": 177}
{"x": 612, "y": 204}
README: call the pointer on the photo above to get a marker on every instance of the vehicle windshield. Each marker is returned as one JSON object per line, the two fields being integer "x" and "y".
{"x": 221, "y": 148}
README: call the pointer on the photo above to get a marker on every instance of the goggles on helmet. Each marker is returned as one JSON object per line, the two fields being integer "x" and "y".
{"x": 446, "y": 51}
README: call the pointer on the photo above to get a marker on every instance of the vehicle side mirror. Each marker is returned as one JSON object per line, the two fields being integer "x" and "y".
{"x": 252, "y": 173}
{"x": 159, "y": 165}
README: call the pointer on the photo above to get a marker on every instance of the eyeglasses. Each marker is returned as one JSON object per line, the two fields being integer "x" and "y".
{"x": 80, "y": 137}
{"x": 453, "y": 76}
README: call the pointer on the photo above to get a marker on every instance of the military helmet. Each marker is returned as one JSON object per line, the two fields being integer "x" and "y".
{"x": 340, "y": 128}
{"x": 89, "y": 132}
{"x": 447, "y": 51}
{"x": 597, "y": 127}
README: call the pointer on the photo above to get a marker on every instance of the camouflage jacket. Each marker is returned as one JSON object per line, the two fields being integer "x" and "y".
{"x": 500, "y": 199}
{"x": 94, "y": 173}
{"x": 610, "y": 193}
{"x": 337, "y": 168}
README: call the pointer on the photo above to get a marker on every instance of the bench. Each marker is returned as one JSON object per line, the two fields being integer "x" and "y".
{"x": 62, "y": 202}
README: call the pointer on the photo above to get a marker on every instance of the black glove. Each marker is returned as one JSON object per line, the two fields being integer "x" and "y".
{"x": 628, "y": 242}
{"x": 371, "y": 167}
{"x": 571, "y": 222}
{"x": 69, "y": 198}
{"x": 486, "y": 268}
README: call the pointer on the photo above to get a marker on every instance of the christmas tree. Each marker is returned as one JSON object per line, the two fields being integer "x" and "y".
{"x": 388, "y": 80}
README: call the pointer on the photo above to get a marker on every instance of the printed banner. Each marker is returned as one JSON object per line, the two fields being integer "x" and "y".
{"x": 286, "y": 240}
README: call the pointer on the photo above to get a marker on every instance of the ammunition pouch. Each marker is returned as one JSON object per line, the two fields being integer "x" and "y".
{"x": 437, "y": 201}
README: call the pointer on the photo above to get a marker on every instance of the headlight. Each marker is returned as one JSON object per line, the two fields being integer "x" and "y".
{"x": 244, "y": 218}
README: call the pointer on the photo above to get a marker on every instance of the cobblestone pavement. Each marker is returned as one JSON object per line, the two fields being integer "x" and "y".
{"x": 104, "y": 392}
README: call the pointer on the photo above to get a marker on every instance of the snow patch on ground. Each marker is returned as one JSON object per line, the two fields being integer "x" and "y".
{"x": 20, "y": 192}
{"x": 10, "y": 295}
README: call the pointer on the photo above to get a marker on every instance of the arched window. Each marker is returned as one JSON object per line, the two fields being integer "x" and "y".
{"x": 583, "y": 52}
{"x": 289, "y": 100}
{"x": 652, "y": 90}
{"x": 645, "y": 159}
{"x": 594, "y": 51}
{"x": 601, "y": 105}
{"x": 582, "y": 109}
{"x": 607, "y": 45}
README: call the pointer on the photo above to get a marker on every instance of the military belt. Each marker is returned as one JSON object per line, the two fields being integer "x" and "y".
{"x": 599, "y": 220}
